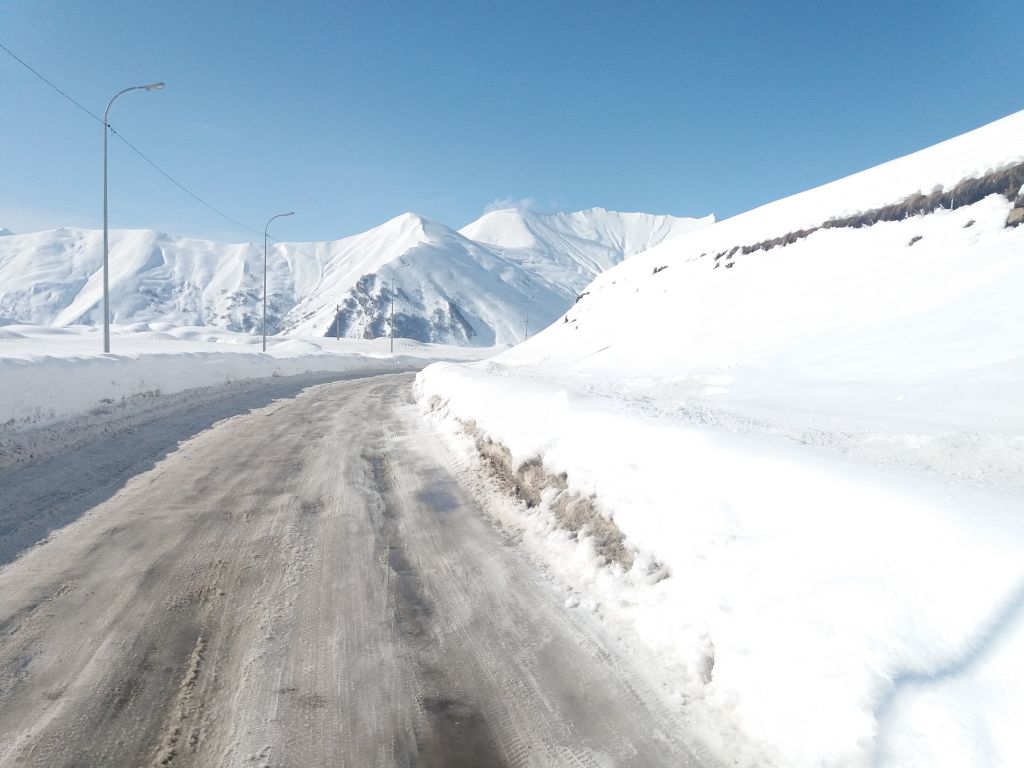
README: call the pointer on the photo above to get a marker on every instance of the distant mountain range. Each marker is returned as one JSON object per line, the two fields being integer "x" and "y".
{"x": 503, "y": 276}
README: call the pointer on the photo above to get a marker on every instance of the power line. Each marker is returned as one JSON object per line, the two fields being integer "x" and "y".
{"x": 26, "y": 65}
{"x": 178, "y": 184}
{"x": 141, "y": 154}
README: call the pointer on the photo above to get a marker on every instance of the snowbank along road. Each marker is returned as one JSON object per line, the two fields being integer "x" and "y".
{"x": 306, "y": 585}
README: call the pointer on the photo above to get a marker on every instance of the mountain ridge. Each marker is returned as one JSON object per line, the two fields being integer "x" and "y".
{"x": 449, "y": 287}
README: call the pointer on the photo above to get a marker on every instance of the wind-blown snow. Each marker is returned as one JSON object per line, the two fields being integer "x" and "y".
{"x": 449, "y": 288}
{"x": 822, "y": 445}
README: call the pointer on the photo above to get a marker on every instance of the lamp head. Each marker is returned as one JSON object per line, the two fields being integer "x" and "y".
{"x": 155, "y": 87}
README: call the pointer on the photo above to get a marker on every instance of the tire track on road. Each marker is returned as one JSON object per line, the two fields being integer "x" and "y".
{"x": 307, "y": 586}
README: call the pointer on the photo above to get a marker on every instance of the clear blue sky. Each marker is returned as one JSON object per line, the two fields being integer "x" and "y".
{"x": 351, "y": 113}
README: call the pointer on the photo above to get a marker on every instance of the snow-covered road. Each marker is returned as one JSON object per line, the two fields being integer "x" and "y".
{"x": 306, "y": 585}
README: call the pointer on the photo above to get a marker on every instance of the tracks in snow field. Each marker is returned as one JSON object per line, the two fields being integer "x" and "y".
{"x": 306, "y": 586}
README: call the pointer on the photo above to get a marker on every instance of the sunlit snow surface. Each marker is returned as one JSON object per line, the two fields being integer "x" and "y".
{"x": 823, "y": 444}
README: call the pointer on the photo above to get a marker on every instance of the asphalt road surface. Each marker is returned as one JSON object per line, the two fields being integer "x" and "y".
{"x": 305, "y": 584}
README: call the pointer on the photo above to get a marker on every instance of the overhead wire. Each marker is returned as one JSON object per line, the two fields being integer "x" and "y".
{"x": 144, "y": 157}
{"x": 38, "y": 74}
{"x": 178, "y": 184}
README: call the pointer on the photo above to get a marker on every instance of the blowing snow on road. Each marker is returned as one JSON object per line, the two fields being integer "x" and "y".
{"x": 307, "y": 584}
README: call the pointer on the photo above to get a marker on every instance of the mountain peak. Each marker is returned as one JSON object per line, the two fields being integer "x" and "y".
{"x": 412, "y": 228}
{"x": 403, "y": 221}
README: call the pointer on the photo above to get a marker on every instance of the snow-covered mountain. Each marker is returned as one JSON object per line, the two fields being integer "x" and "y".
{"x": 568, "y": 247}
{"x": 447, "y": 288}
{"x": 5, "y": 231}
{"x": 521, "y": 274}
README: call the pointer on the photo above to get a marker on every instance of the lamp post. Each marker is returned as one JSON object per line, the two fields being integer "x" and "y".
{"x": 265, "y": 231}
{"x": 337, "y": 322}
{"x": 106, "y": 238}
{"x": 393, "y": 290}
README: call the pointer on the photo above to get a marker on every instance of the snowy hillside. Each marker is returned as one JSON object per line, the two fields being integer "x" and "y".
{"x": 847, "y": 278}
{"x": 806, "y": 426}
{"x": 449, "y": 288}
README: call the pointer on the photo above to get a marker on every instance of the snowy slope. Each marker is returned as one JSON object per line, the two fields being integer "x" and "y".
{"x": 451, "y": 289}
{"x": 810, "y": 417}
{"x": 865, "y": 301}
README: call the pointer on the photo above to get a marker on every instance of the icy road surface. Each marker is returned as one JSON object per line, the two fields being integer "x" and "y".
{"x": 306, "y": 585}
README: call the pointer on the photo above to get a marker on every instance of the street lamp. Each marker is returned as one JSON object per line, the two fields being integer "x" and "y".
{"x": 265, "y": 229}
{"x": 393, "y": 289}
{"x": 106, "y": 247}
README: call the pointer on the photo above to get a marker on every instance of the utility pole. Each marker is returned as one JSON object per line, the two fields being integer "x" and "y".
{"x": 337, "y": 322}
{"x": 525, "y": 302}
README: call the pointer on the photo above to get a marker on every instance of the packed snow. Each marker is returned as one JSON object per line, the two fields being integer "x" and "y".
{"x": 814, "y": 455}
{"x": 445, "y": 287}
